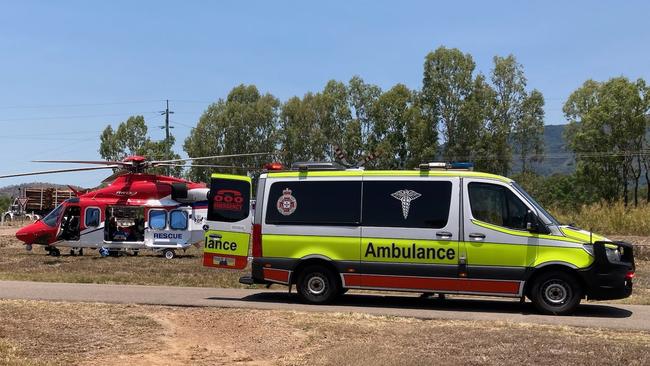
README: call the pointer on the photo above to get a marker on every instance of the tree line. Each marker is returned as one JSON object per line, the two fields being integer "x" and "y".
{"x": 458, "y": 114}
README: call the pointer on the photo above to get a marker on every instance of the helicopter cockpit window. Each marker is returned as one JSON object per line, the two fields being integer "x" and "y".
{"x": 178, "y": 220}
{"x": 92, "y": 217}
{"x": 53, "y": 216}
{"x": 157, "y": 219}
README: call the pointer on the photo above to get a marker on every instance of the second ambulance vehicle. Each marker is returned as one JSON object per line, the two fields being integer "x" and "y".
{"x": 440, "y": 229}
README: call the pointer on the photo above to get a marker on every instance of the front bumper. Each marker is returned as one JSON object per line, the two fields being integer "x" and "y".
{"x": 609, "y": 280}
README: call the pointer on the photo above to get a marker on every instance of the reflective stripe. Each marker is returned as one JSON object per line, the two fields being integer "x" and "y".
{"x": 301, "y": 246}
{"x": 351, "y": 248}
{"x": 523, "y": 233}
{"x": 231, "y": 177}
{"x": 276, "y": 275}
{"x": 412, "y": 283}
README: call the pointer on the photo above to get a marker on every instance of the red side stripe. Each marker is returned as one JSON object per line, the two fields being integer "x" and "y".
{"x": 278, "y": 275}
{"x": 424, "y": 283}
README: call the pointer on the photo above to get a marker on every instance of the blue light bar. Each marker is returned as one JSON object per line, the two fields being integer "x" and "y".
{"x": 458, "y": 165}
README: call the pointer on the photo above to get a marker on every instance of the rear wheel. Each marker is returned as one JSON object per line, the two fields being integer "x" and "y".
{"x": 556, "y": 292}
{"x": 317, "y": 285}
{"x": 169, "y": 253}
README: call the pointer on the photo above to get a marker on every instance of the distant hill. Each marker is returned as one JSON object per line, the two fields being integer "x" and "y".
{"x": 557, "y": 159}
{"x": 14, "y": 190}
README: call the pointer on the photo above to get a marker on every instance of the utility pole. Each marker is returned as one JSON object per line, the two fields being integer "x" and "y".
{"x": 166, "y": 113}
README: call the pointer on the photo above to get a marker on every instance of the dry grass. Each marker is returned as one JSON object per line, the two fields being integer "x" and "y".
{"x": 145, "y": 269}
{"x": 612, "y": 219}
{"x": 38, "y": 333}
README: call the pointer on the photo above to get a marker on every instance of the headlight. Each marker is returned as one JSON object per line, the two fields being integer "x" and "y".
{"x": 613, "y": 255}
{"x": 589, "y": 248}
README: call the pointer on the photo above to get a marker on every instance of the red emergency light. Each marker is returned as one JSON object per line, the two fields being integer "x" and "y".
{"x": 273, "y": 166}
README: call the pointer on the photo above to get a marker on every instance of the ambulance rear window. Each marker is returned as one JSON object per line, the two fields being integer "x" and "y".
{"x": 314, "y": 203}
{"x": 229, "y": 200}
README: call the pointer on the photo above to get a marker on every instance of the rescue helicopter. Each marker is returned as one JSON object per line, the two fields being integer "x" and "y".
{"x": 136, "y": 211}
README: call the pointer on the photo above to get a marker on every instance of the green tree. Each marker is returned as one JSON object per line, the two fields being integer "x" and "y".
{"x": 528, "y": 131}
{"x": 606, "y": 131}
{"x": 245, "y": 122}
{"x": 447, "y": 84}
{"x": 131, "y": 138}
{"x": 509, "y": 84}
{"x": 396, "y": 129}
{"x": 363, "y": 96}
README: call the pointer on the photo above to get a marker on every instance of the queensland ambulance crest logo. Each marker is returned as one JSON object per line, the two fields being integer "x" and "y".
{"x": 406, "y": 196}
{"x": 287, "y": 203}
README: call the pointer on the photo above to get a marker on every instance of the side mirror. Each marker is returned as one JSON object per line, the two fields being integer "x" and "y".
{"x": 532, "y": 222}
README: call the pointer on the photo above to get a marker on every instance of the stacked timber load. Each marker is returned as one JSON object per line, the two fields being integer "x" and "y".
{"x": 45, "y": 199}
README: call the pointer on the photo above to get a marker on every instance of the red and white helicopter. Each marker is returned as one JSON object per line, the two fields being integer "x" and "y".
{"x": 135, "y": 211}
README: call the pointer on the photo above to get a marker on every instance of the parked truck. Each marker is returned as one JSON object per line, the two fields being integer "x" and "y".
{"x": 32, "y": 203}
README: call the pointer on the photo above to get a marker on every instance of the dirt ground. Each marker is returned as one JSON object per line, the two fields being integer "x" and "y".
{"x": 50, "y": 333}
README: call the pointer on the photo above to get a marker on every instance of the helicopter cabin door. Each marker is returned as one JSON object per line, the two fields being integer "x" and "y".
{"x": 69, "y": 228}
{"x": 228, "y": 230}
{"x": 168, "y": 228}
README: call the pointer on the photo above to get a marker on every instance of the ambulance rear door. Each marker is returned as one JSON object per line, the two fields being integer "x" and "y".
{"x": 228, "y": 228}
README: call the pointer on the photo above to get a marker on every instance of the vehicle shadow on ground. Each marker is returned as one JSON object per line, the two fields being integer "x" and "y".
{"x": 450, "y": 304}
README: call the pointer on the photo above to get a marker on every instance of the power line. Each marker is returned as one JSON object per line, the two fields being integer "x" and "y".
{"x": 78, "y": 105}
{"x": 73, "y": 117}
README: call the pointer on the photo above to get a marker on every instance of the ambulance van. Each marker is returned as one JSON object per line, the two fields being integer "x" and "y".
{"x": 440, "y": 229}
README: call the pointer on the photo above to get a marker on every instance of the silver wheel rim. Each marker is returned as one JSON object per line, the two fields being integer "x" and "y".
{"x": 556, "y": 292}
{"x": 316, "y": 285}
{"x": 169, "y": 254}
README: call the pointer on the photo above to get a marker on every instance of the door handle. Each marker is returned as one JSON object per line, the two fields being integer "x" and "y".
{"x": 477, "y": 236}
{"x": 444, "y": 234}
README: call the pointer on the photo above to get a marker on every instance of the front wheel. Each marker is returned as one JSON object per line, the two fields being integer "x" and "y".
{"x": 317, "y": 285}
{"x": 557, "y": 293}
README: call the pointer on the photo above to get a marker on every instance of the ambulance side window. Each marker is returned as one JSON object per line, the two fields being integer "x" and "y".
{"x": 415, "y": 204}
{"x": 314, "y": 203}
{"x": 497, "y": 205}
{"x": 92, "y": 217}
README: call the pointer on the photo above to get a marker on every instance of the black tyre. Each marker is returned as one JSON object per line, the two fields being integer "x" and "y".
{"x": 317, "y": 285}
{"x": 169, "y": 253}
{"x": 556, "y": 292}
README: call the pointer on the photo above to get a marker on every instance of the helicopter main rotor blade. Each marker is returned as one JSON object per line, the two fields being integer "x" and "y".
{"x": 99, "y": 162}
{"x": 208, "y": 166}
{"x": 157, "y": 162}
{"x": 59, "y": 171}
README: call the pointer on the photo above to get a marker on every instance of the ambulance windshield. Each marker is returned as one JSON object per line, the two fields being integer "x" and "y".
{"x": 539, "y": 207}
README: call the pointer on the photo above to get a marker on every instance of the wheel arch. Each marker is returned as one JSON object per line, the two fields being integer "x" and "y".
{"x": 314, "y": 260}
{"x": 556, "y": 266}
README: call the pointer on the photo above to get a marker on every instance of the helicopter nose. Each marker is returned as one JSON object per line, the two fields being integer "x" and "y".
{"x": 25, "y": 234}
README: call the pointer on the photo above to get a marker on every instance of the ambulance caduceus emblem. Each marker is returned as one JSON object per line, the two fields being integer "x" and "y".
{"x": 287, "y": 203}
{"x": 406, "y": 196}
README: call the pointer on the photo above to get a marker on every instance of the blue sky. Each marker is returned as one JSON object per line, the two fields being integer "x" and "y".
{"x": 69, "y": 68}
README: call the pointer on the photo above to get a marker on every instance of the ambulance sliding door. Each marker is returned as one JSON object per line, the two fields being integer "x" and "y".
{"x": 410, "y": 234}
